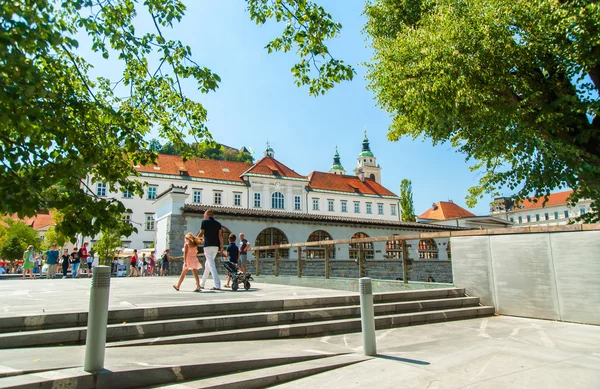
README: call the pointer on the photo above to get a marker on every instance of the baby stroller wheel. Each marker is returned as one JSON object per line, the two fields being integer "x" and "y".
{"x": 234, "y": 286}
{"x": 247, "y": 285}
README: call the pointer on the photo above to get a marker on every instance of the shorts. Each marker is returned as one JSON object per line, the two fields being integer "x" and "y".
{"x": 83, "y": 265}
{"x": 243, "y": 260}
{"x": 165, "y": 266}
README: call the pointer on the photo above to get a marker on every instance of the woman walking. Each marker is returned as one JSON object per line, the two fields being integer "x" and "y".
{"x": 151, "y": 264}
{"x": 190, "y": 261}
{"x": 28, "y": 262}
{"x": 133, "y": 262}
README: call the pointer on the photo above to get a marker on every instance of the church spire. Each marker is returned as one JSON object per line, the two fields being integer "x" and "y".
{"x": 367, "y": 163}
{"x": 337, "y": 167}
{"x": 366, "y": 149}
{"x": 269, "y": 151}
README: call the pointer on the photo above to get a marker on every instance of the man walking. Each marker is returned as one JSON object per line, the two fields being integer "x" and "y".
{"x": 244, "y": 247}
{"x": 51, "y": 261}
{"x": 210, "y": 229}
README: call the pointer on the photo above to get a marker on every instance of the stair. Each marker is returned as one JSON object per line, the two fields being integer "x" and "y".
{"x": 245, "y": 320}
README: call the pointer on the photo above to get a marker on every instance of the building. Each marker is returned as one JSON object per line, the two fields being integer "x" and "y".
{"x": 447, "y": 213}
{"x": 535, "y": 211}
{"x": 265, "y": 186}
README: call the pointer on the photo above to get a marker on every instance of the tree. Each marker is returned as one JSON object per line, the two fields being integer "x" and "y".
{"x": 58, "y": 125}
{"x": 108, "y": 245}
{"x": 15, "y": 236}
{"x": 406, "y": 201}
{"x": 511, "y": 84}
{"x": 53, "y": 236}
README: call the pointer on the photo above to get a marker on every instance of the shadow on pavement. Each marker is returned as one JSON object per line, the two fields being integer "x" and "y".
{"x": 413, "y": 361}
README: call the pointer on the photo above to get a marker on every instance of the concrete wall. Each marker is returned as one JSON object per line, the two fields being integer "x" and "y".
{"x": 551, "y": 275}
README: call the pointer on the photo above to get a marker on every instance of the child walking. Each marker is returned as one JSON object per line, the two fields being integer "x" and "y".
{"x": 190, "y": 252}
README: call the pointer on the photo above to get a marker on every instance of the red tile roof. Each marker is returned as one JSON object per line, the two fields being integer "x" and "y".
{"x": 350, "y": 184}
{"x": 271, "y": 167}
{"x": 36, "y": 222}
{"x": 444, "y": 210}
{"x": 201, "y": 168}
{"x": 559, "y": 198}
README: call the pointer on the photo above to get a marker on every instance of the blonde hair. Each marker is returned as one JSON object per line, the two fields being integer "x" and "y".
{"x": 193, "y": 239}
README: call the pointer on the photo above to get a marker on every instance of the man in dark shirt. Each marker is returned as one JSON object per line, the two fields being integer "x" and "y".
{"x": 75, "y": 263}
{"x": 233, "y": 253}
{"x": 210, "y": 229}
{"x": 52, "y": 260}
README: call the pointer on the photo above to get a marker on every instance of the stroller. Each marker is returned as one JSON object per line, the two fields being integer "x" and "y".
{"x": 237, "y": 277}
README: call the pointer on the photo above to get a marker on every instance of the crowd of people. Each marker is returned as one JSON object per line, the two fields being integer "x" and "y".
{"x": 81, "y": 261}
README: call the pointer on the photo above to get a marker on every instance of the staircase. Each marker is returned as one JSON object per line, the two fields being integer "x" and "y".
{"x": 238, "y": 321}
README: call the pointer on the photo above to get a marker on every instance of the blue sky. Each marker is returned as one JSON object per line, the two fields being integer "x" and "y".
{"x": 258, "y": 101}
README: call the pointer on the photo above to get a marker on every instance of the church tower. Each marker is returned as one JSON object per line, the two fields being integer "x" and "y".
{"x": 367, "y": 163}
{"x": 337, "y": 167}
{"x": 269, "y": 153}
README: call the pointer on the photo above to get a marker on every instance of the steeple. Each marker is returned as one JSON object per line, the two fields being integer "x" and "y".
{"x": 269, "y": 151}
{"x": 337, "y": 167}
{"x": 367, "y": 163}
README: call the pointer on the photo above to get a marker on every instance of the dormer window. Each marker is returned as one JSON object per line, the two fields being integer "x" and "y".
{"x": 225, "y": 170}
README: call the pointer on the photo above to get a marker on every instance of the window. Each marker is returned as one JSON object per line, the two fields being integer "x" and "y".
{"x": 537, "y": 217}
{"x": 330, "y": 205}
{"x": 394, "y": 249}
{"x": 256, "y": 200}
{"x": 319, "y": 251}
{"x": 277, "y": 201}
{"x": 344, "y": 206}
{"x": 356, "y": 207}
{"x": 151, "y": 193}
{"x": 369, "y": 210}
{"x": 393, "y": 206}
{"x": 546, "y": 217}
{"x": 380, "y": 209}
{"x": 127, "y": 217}
{"x": 428, "y": 249}
{"x": 197, "y": 196}
{"x": 218, "y": 197}
{"x": 101, "y": 189}
{"x": 567, "y": 214}
{"x": 354, "y": 248}
{"x": 297, "y": 203}
{"x": 528, "y": 219}
{"x": 582, "y": 211}
{"x": 315, "y": 204}
{"x": 512, "y": 219}
{"x": 149, "y": 222}
{"x": 148, "y": 245}
{"x": 520, "y": 219}
{"x": 126, "y": 194}
{"x": 237, "y": 199}
{"x": 271, "y": 237}
{"x": 555, "y": 215}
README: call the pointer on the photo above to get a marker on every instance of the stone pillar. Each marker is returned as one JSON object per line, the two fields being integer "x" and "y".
{"x": 171, "y": 225}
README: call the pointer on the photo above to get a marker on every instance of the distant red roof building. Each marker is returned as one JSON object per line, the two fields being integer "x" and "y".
{"x": 559, "y": 198}
{"x": 36, "y": 222}
{"x": 445, "y": 210}
{"x": 349, "y": 184}
{"x": 271, "y": 167}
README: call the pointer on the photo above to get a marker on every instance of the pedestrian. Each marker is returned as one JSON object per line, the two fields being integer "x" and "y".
{"x": 84, "y": 256}
{"x": 210, "y": 229}
{"x": 190, "y": 260}
{"x": 133, "y": 263}
{"x": 151, "y": 264}
{"x": 143, "y": 265}
{"x": 38, "y": 263}
{"x": 233, "y": 252}
{"x": 164, "y": 261}
{"x": 52, "y": 260}
{"x": 28, "y": 262}
{"x": 244, "y": 247}
{"x": 65, "y": 261}
{"x": 75, "y": 261}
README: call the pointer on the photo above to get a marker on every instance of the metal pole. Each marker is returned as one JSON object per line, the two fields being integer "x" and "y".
{"x": 276, "y": 259}
{"x": 327, "y": 251}
{"x": 299, "y": 262}
{"x": 405, "y": 262}
{"x": 367, "y": 316}
{"x": 95, "y": 341}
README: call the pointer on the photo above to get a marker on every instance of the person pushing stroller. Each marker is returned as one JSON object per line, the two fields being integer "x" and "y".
{"x": 233, "y": 253}
{"x": 230, "y": 263}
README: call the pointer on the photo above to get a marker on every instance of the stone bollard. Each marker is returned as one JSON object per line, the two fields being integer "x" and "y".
{"x": 95, "y": 340}
{"x": 367, "y": 316}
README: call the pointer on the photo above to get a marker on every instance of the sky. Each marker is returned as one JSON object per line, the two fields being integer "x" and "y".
{"x": 258, "y": 101}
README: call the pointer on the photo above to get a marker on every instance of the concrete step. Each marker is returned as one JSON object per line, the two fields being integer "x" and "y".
{"x": 136, "y": 376}
{"x": 271, "y": 376}
{"x": 142, "y": 330}
{"x": 311, "y": 329}
{"x": 135, "y": 315}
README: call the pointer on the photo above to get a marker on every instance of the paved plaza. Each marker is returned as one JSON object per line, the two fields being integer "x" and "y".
{"x": 494, "y": 352}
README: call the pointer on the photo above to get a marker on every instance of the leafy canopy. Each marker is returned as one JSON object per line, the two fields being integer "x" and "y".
{"x": 15, "y": 236}
{"x": 512, "y": 84}
{"x": 58, "y": 125}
